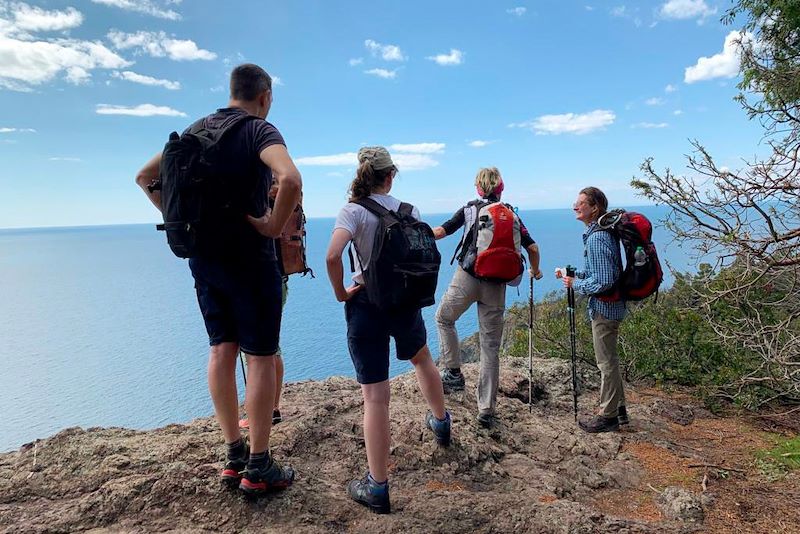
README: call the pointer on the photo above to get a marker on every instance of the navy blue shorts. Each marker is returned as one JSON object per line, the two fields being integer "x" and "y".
{"x": 368, "y": 332}
{"x": 240, "y": 302}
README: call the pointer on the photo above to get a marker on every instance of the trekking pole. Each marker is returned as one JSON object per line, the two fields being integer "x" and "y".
{"x": 530, "y": 348}
{"x": 244, "y": 374}
{"x": 572, "y": 340}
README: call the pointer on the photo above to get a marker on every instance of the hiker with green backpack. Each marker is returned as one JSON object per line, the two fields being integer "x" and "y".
{"x": 489, "y": 258}
{"x": 395, "y": 265}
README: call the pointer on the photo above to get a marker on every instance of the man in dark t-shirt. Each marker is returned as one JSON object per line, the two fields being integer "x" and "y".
{"x": 239, "y": 289}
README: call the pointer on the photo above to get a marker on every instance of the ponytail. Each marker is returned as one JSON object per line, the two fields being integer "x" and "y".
{"x": 367, "y": 180}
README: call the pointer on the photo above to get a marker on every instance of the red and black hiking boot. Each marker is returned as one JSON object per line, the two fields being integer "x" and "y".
{"x": 271, "y": 477}
{"x": 234, "y": 467}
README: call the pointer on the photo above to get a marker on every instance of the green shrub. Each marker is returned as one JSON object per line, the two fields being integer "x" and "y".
{"x": 666, "y": 340}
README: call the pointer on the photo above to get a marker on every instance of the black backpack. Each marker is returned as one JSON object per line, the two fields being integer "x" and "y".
{"x": 197, "y": 199}
{"x": 404, "y": 266}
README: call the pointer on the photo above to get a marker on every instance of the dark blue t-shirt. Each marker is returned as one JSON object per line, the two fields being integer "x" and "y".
{"x": 250, "y": 178}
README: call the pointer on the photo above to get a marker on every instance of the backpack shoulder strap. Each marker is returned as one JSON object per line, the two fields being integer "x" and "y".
{"x": 215, "y": 135}
{"x": 406, "y": 209}
{"x": 372, "y": 206}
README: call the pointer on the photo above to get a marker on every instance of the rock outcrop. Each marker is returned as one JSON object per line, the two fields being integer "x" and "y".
{"x": 532, "y": 472}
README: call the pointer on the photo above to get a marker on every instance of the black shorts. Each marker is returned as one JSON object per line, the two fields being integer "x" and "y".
{"x": 240, "y": 302}
{"x": 368, "y": 332}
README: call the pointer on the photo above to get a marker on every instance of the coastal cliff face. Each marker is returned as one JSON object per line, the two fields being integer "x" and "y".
{"x": 533, "y": 472}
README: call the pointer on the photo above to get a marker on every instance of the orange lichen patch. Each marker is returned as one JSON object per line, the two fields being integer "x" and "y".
{"x": 635, "y": 504}
{"x": 435, "y": 485}
{"x": 752, "y": 506}
{"x": 548, "y": 498}
{"x": 727, "y": 442}
{"x": 662, "y": 466}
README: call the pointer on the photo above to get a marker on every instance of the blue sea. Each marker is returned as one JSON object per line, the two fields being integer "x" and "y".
{"x": 99, "y": 325}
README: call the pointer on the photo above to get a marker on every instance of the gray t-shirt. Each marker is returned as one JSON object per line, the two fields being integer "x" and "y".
{"x": 362, "y": 225}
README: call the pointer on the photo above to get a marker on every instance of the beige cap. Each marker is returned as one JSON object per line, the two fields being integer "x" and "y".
{"x": 377, "y": 156}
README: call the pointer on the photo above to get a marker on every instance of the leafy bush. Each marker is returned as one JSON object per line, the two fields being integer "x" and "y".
{"x": 666, "y": 340}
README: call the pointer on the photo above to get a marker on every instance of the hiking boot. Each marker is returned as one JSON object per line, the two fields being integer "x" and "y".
{"x": 258, "y": 481}
{"x": 370, "y": 494}
{"x": 451, "y": 381}
{"x": 232, "y": 472}
{"x": 622, "y": 416}
{"x": 440, "y": 428}
{"x": 486, "y": 420}
{"x": 599, "y": 423}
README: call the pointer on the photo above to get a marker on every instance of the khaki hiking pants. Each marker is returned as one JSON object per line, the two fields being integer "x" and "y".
{"x": 465, "y": 290}
{"x": 604, "y": 335}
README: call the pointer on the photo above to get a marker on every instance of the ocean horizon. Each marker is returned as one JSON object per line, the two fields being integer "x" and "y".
{"x": 101, "y": 325}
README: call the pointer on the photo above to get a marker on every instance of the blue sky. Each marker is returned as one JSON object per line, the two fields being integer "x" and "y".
{"x": 557, "y": 95}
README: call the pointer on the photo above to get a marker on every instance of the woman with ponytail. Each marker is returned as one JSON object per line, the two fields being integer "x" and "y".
{"x": 370, "y": 328}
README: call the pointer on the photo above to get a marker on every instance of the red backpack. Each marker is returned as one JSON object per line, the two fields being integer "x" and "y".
{"x": 494, "y": 253}
{"x": 642, "y": 275}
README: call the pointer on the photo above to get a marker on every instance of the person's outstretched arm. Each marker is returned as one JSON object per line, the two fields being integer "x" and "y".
{"x": 533, "y": 258}
{"x": 333, "y": 259}
{"x": 448, "y": 227}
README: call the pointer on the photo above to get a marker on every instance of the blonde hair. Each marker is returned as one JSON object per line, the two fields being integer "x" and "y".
{"x": 487, "y": 179}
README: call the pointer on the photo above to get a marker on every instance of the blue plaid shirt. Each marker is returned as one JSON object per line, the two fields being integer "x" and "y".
{"x": 603, "y": 265}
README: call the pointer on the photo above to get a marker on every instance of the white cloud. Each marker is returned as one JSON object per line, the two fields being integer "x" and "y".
{"x": 455, "y": 57}
{"x": 16, "y": 130}
{"x": 356, "y": 61}
{"x": 571, "y": 123}
{"x": 277, "y": 81}
{"x": 480, "y": 143}
{"x": 589, "y": 8}
{"x": 65, "y": 158}
{"x": 625, "y": 13}
{"x": 158, "y": 44}
{"x": 722, "y": 65}
{"x": 518, "y": 11}
{"x": 26, "y": 18}
{"x": 670, "y": 88}
{"x": 619, "y": 11}
{"x": 655, "y": 101}
{"x": 382, "y": 73}
{"x": 686, "y": 9}
{"x": 650, "y": 125}
{"x": 404, "y": 161}
{"x": 677, "y": 112}
{"x": 146, "y": 7}
{"x": 27, "y": 63}
{"x": 414, "y": 162}
{"x": 142, "y": 110}
{"x": 419, "y": 148}
{"x": 387, "y": 52}
{"x": 146, "y": 80}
